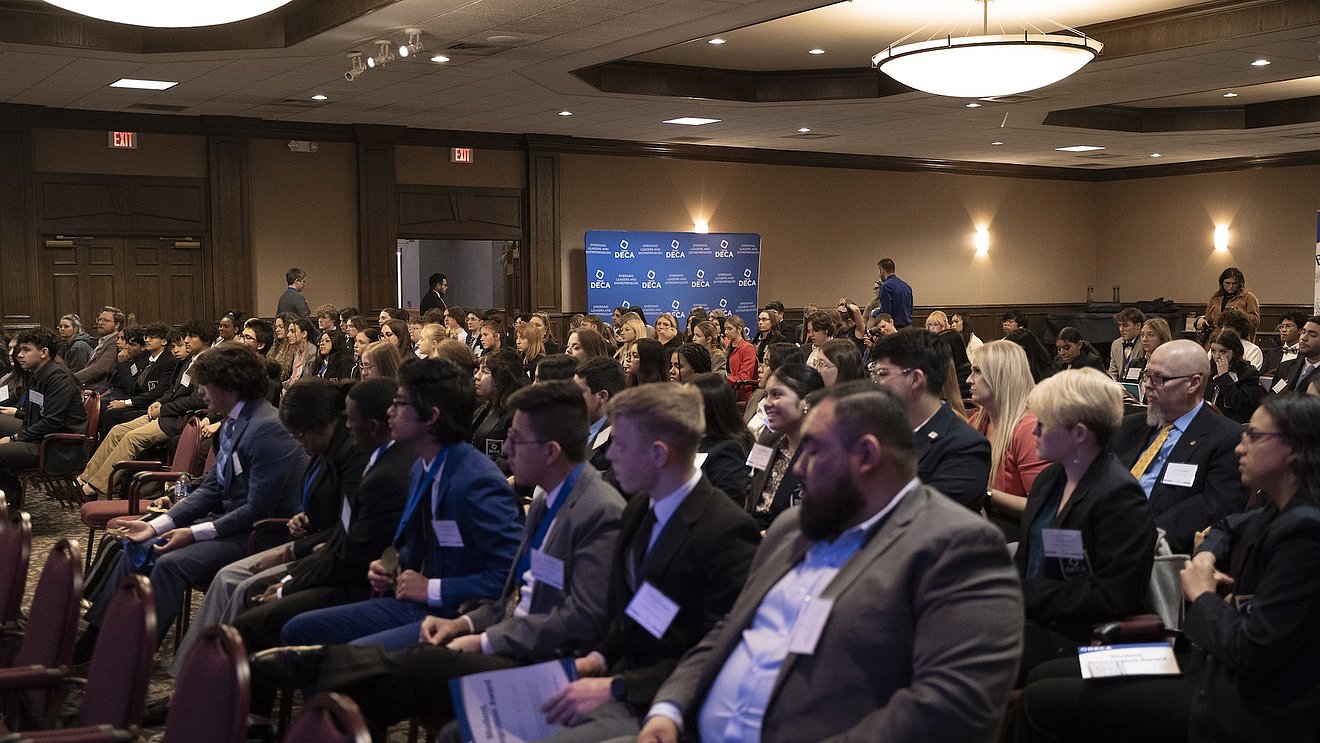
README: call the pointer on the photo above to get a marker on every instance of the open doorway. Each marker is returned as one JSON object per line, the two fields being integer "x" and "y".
{"x": 477, "y": 270}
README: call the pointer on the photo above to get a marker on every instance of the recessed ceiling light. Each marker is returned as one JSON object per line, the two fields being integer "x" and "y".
{"x": 1156, "y": 154}
{"x": 691, "y": 121}
{"x": 716, "y": 41}
{"x": 504, "y": 39}
{"x": 439, "y": 58}
{"x": 1230, "y": 95}
{"x": 816, "y": 51}
{"x": 973, "y": 105}
{"x": 128, "y": 82}
{"x": 1078, "y": 148}
{"x": 320, "y": 97}
{"x": 995, "y": 144}
{"x": 803, "y": 130}
{"x": 1260, "y": 63}
{"x": 565, "y": 113}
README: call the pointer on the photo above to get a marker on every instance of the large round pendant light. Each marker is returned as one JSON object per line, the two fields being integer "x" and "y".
{"x": 170, "y": 13}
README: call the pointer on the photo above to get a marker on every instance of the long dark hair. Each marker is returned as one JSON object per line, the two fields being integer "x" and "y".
{"x": 1298, "y": 419}
{"x": 1228, "y": 338}
{"x": 506, "y": 371}
{"x": 652, "y": 363}
{"x": 722, "y": 419}
{"x": 1231, "y": 272}
{"x": 1040, "y": 360}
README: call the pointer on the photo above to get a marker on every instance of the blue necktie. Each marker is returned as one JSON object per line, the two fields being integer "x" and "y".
{"x": 226, "y": 451}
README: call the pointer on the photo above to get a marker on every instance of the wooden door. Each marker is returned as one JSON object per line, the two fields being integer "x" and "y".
{"x": 153, "y": 279}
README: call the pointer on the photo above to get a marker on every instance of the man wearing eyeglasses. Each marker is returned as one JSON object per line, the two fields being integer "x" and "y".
{"x": 1180, "y": 449}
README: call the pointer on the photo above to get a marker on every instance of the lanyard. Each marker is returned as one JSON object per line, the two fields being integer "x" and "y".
{"x": 317, "y": 462}
{"x": 553, "y": 510}
{"x": 420, "y": 488}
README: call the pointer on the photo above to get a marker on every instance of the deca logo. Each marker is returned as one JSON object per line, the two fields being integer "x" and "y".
{"x": 701, "y": 282}
{"x": 650, "y": 282}
{"x": 673, "y": 251}
{"x": 678, "y": 313}
{"x": 600, "y": 282}
{"x": 623, "y": 251}
{"x": 723, "y": 251}
{"x": 747, "y": 279}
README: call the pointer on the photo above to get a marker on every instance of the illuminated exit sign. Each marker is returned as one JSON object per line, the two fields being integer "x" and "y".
{"x": 123, "y": 140}
{"x": 460, "y": 154}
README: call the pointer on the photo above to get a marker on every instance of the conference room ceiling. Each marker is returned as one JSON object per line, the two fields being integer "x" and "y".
{"x": 515, "y": 65}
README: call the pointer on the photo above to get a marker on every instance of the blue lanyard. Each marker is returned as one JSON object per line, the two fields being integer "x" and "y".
{"x": 543, "y": 527}
{"x": 317, "y": 462}
{"x": 420, "y": 488}
{"x": 376, "y": 457}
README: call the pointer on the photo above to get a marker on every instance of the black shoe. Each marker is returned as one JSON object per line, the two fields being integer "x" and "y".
{"x": 82, "y": 649}
{"x": 261, "y": 733}
{"x": 154, "y": 714}
{"x": 294, "y": 667}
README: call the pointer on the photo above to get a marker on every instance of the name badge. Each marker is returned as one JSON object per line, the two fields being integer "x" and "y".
{"x": 810, "y": 623}
{"x": 4, "y": 392}
{"x": 1064, "y": 543}
{"x": 548, "y": 570}
{"x": 133, "y": 370}
{"x": 652, "y": 609}
{"x": 36, "y": 398}
{"x": 185, "y": 380}
{"x": 494, "y": 447}
{"x": 603, "y": 436}
{"x": 152, "y": 385}
{"x": 759, "y": 457}
{"x": 345, "y": 514}
{"x": 447, "y": 533}
{"x": 700, "y": 459}
{"x": 1182, "y": 475}
{"x": 1279, "y": 386}
{"x": 237, "y": 463}
{"x": 1133, "y": 374}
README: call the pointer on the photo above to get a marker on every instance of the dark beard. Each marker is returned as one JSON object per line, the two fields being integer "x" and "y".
{"x": 826, "y": 517}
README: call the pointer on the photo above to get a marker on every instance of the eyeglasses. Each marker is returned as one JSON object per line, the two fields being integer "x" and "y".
{"x": 822, "y": 364}
{"x": 878, "y": 372}
{"x": 1159, "y": 380}
{"x": 365, "y": 365}
{"x": 249, "y": 337}
{"x": 1255, "y": 436}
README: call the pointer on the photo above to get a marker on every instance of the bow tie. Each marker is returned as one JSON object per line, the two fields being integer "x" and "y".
{"x": 1290, "y": 349}
{"x": 1129, "y": 344}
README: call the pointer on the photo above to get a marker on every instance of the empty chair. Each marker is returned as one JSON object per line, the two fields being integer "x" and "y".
{"x": 48, "y": 639}
{"x": 328, "y": 718}
{"x": 210, "y": 703}
{"x": 15, "y": 553}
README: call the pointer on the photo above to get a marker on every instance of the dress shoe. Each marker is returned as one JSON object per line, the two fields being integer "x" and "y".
{"x": 154, "y": 714}
{"x": 294, "y": 667}
{"x": 82, "y": 649}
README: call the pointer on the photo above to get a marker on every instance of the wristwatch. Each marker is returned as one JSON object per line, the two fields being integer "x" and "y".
{"x": 618, "y": 689}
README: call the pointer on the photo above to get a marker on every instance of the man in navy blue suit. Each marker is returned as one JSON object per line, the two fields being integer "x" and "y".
{"x": 257, "y": 473}
{"x": 460, "y": 527}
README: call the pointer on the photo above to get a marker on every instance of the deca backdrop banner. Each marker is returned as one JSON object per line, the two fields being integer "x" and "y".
{"x": 673, "y": 272}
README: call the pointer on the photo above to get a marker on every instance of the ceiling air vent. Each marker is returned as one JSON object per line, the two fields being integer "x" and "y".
{"x": 809, "y": 135}
{"x": 476, "y": 49}
{"x": 161, "y": 107}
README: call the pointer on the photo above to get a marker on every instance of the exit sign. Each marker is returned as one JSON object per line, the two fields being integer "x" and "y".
{"x": 123, "y": 140}
{"x": 460, "y": 154}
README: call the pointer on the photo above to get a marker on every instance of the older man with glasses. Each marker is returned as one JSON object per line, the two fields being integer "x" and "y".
{"x": 1180, "y": 449}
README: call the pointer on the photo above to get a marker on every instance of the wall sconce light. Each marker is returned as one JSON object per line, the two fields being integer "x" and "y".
{"x": 701, "y": 226}
{"x": 1221, "y": 237}
{"x": 982, "y": 240}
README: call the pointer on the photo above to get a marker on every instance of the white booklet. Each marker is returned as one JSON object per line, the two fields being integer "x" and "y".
{"x": 1138, "y": 659}
{"x": 505, "y": 705}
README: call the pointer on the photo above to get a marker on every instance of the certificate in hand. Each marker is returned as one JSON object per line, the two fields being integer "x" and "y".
{"x": 505, "y": 705}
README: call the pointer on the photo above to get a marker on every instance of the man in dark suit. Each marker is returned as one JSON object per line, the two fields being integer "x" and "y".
{"x": 551, "y": 604}
{"x": 434, "y": 299}
{"x": 1303, "y": 377}
{"x": 1290, "y": 332}
{"x": 459, "y": 530}
{"x": 52, "y": 405}
{"x": 877, "y": 609}
{"x": 1180, "y": 450}
{"x": 952, "y": 457}
{"x": 600, "y": 379}
{"x": 257, "y": 473}
{"x": 292, "y": 299}
{"x": 682, "y": 543}
{"x": 152, "y": 377}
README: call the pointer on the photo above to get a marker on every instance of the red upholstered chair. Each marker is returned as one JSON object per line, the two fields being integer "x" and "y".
{"x": 47, "y": 641}
{"x": 15, "y": 553}
{"x": 116, "y": 685}
{"x": 63, "y": 486}
{"x": 210, "y": 703}
{"x": 328, "y": 718}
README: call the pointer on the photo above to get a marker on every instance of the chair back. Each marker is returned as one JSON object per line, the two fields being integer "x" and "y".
{"x": 120, "y": 671}
{"x": 92, "y": 406}
{"x": 190, "y": 441}
{"x": 210, "y": 703}
{"x": 328, "y": 718}
{"x": 53, "y": 620}
{"x": 15, "y": 554}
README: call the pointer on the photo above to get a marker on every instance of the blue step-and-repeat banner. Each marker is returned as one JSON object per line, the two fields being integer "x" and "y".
{"x": 673, "y": 272}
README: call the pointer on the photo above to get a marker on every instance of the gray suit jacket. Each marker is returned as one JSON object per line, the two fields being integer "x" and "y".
{"x": 583, "y": 538}
{"x": 293, "y": 301}
{"x": 922, "y": 643}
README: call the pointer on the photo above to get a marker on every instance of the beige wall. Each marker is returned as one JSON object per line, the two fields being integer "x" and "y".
{"x": 823, "y": 230}
{"x": 77, "y": 151}
{"x": 1271, "y": 216}
{"x": 430, "y": 166}
{"x": 304, "y": 213}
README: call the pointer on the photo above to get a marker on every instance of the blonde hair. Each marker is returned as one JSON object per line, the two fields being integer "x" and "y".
{"x": 632, "y": 320}
{"x": 951, "y": 393}
{"x": 385, "y": 355}
{"x": 535, "y": 341}
{"x": 433, "y": 333}
{"x": 673, "y": 413}
{"x": 1003, "y": 365}
{"x": 1087, "y": 396}
{"x": 939, "y": 317}
{"x": 1161, "y": 329}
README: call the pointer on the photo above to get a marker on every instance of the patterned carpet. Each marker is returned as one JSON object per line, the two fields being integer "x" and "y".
{"x": 50, "y": 523}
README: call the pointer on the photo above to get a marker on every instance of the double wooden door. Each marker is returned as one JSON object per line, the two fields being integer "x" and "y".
{"x": 153, "y": 279}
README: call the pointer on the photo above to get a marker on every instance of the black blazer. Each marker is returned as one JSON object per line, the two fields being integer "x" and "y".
{"x": 489, "y": 429}
{"x": 954, "y": 458}
{"x": 1236, "y": 398}
{"x": 1086, "y": 360}
{"x": 376, "y": 505}
{"x": 699, "y": 561}
{"x": 1109, "y": 508}
{"x": 60, "y": 411}
{"x": 152, "y": 382}
{"x": 338, "y": 478}
{"x": 1253, "y": 663}
{"x": 726, "y": 467}
{"x": 1298, "y": 383}
{"x": 1215, "y": 492}
{"x": 789, "y": 491}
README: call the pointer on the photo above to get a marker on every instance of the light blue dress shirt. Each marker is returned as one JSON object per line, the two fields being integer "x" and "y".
{"x": 1156, "y": 468}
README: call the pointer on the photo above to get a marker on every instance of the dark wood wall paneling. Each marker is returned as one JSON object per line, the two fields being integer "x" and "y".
{"x": 17, "y": 233}
{"x": 230, "y": 241}
{"x": 378, "y": 219}
{"x": 79, "y": 204}
{"x": 543, "y": 254}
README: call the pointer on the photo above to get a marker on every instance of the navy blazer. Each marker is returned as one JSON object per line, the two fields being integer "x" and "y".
{"x": 1215, "y": 492}
{"x": 476, "y": 496}
{"x": 954, "y": 458}
{"x": 264, "y": 477}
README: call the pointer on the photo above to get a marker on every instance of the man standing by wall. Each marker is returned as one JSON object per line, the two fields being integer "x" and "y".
{"x": 895, "y": 295}
{"x": 434, "y": 299}
{"x": 292, "y": 299}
